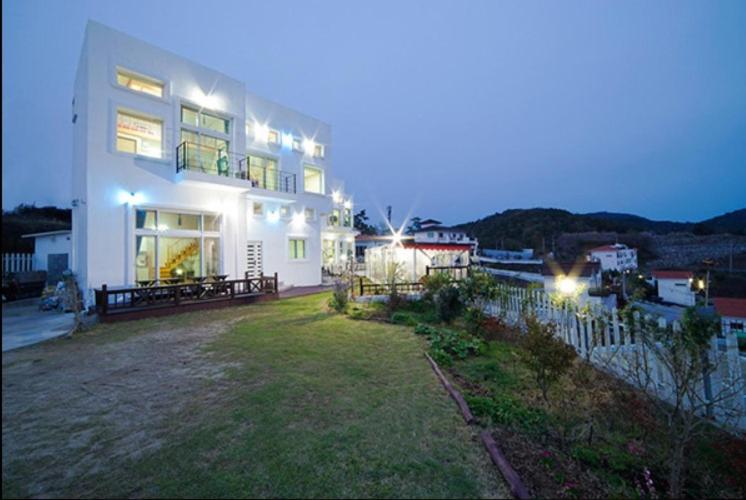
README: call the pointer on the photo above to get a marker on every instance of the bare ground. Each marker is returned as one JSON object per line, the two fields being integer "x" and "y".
{"x": 107, "y": 402}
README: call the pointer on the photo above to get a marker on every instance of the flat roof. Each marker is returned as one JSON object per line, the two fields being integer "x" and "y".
{"x": 47, "y": 233}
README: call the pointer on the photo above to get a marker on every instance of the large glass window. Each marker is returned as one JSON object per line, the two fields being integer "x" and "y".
{"x": 179, "y": 257}
{"x": 297, "y": 250}
{"x": 175, "y": 221}
{"x": 139, "y": 83}
{"x": 313, "y": 180}
{"x": 205, "y": 153}
{"x": 145, "y": 258}
{"x": 204, "y": 119}
{"x": 263, "y": 172}
{"x": 175, "y": 245}
{"x": 348, "y": 217}
{"x": 139, "y": 135}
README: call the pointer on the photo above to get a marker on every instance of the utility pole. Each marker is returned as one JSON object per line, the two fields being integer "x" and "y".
{"x": 388, "y": 213}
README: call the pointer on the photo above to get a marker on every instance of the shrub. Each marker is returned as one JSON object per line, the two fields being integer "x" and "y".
{"x": 548, "y": 357}
{"x": 508, "y": 410}
{"x": 423, "y": 329}
{"x": 433, "y": 284}
{"x": 455, "y": 343}
{"x": 448, "y": 304}
{"x": 340, "y": 297}
{"x": 403, "y": 318}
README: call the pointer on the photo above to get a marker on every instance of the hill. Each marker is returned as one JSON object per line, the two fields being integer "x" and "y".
{"x": 539, "y": 227}
{"x": 25, "y": 219}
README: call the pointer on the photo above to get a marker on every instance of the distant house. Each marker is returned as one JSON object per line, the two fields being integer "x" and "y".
{"x": 525, "y": 254}
{"x": 585, "y": 276}
{"x": 733, "y": 314}
{"x": 433, "y": 245}
{"x": 616, "y": 257}
{"x": 52, "y": 253}
{"x": 675, "y": 287}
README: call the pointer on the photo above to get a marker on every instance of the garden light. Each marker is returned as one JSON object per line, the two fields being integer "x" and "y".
{"x": 567, "y": 285}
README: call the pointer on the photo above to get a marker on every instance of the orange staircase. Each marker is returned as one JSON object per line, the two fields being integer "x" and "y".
{"x": 176, "y": 260}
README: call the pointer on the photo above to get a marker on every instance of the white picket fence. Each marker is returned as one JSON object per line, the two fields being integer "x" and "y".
{"x": 17, "y": 262}
{"x": 615, "y": 344}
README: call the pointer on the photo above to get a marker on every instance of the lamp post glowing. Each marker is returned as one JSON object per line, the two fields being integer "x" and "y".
{"x": 567, "y": 286}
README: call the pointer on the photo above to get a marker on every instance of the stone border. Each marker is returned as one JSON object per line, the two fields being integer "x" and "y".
{"x": 517, "y": 488}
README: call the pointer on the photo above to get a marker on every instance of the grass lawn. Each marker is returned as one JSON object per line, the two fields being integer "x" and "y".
{"x": 281, "y": 399}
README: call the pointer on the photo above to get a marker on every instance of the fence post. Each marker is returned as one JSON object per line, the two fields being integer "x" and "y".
{"x": 105, "y": 299}
{"x": 276, "y": 284}
{"x": 361, "y": 287}
{"x": 177, "y": 295}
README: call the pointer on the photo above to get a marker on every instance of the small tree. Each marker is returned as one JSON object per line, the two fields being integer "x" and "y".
{"x": 684, "y": 394}
{"x": 547, "y": 356}
{"x": 393, "y": 276}
{"x": 72, "y": 300}
{"x": 477, "y": 291}
{"x": 448, "y": 305}
{"x": 340, "y": 296}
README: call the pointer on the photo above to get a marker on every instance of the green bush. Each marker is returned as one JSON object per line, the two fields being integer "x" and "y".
{"x": 587, "y": 455}
{"x": 340, "y": 297}
{"x": 509, "y": 411}
{"x": 455, "y": 343}
{"x": 448, "y": 305}
{"x": 403, "y": 318}
{"x": 423, "y": 329}
{"x": 548, "y": 357}
{"x": 433, "y": 284}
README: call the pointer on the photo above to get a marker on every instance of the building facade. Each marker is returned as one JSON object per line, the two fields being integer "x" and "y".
{"x": 616, "y": 257}
{"x": 179, "y": 172}
{"x": 675, "y": 287}
{"x": 52, "y": 251}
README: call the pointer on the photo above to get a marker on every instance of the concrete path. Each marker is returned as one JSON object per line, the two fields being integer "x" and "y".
{"x": 24, "y": 324}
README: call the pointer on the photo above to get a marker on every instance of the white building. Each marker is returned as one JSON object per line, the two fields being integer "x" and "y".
{"x": 52, "y": 251}
{"x": 180, "y": 171}
{"x": 616, "y": 257}
{"x": 675, "y": 287}
{"x": 732, "y": 314}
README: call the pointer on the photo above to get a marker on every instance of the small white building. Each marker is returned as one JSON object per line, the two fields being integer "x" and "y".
{"x": 414, "y": 259}
{"x": 180, "y": 171}
{"x": 675, "y": 287}
{"x": 52, "y": 250}
{"x": 732, "y": 312}
{"x": 616, "y": 257}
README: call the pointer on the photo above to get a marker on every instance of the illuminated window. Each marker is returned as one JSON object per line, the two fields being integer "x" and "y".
{"x": 139, "y": 83}
{"x": 273, "y": 137}
{"x": 297, "y": 249}
{"x": 258, "y": 209}
{"x": 348, "y": 217}
{"x": 310, "y": 213}
{"x": 297, "y": 144}
{"x": 139, "y": 135}
{"x": 318, "y": 150}
{"x": 263, "y": 172}
{"x": 334, "y": 217}
{"x": 313, "y": 180}
{"x": 203, "y": 119}
{"x": 204, "y": 152}
{"x": 284, "y": 211}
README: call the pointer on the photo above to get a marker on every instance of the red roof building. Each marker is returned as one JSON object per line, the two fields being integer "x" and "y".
{"x": 728, "y": 307}
{"x": 672, "y": 275}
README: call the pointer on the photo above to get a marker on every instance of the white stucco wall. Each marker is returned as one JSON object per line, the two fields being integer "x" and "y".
{"x": 104, "y": 221}
{"x": 51, "y": 244}
{"x": 676, "y": 291}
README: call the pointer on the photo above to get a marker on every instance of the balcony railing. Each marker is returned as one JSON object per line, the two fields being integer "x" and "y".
{"x": 209, "y": 160}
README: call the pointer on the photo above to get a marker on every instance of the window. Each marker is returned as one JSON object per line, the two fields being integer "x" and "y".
{"x": 348, "y": 217}
{"x": 313, "y": 180}
{"x": 297, "y": 249}
{"x": 203, "y": 152}
{"x": 318, "y": 151}
{"x": 204, "y": 119}
{"x": 139, "y": 135}
{"x": 297, "y": 144}
{"x": 334, "y": 217}
{"x": 263, "y": 172}
{"x": 258, "y": 209}
{"x": 736, "y": 326}
{"x": 309, "y": 213}
{"x": 273, "y": 137}
{"x": 176, "y": 245}
{"x": 139, "y": 83}
{"x": 284, "y": 211}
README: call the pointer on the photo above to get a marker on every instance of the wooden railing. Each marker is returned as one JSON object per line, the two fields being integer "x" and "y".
{"x": 385, "y": 288}
{"x": 145, "y": 301}
{"x": 455, "y": 272}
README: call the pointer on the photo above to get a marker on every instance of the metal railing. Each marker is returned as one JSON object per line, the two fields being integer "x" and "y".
{"x": 215, "y": 161}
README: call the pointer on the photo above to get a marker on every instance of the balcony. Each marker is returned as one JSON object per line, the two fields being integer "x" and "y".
{"x": 231, "y": 167}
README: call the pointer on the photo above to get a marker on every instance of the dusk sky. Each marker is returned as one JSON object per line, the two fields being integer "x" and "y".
{"x": 452, "y": 110}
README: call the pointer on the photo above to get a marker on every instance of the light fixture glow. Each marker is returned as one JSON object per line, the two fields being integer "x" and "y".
{"x": 273, "y": 216}
{"x": 299, "y": 218}
{"x": 336, "y": 197}
{"x": 131, "y": 198}
{"x": 261, "y": 132}
{"x": 567, "y": 285}
{"x": 309, "y": 146}
{"x": 287, "y": 141}
{"x": 209, "y": 101}
{"x": 396, "y": 238}
{"x": 348, "y": 204}
{"x": 162, "y": 227}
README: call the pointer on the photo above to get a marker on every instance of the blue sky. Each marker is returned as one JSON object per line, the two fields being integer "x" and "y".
{"x": 452, "y": 110}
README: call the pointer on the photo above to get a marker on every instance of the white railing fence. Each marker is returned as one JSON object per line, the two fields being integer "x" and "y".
{"x": 625, "y": 346}
{"x": 17, "y": 262}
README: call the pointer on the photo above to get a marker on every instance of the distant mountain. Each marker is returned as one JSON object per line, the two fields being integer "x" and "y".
{"x": 537, "y": 227}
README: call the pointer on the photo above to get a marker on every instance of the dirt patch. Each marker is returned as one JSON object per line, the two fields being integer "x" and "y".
{"x": 74, "y": 408}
